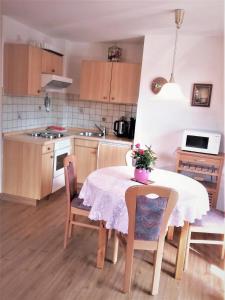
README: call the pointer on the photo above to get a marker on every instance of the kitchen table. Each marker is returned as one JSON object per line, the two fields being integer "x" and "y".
{"x": 104, "y": 190}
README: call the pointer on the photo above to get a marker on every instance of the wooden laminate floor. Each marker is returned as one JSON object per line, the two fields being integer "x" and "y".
{"x": 35, "y": 266}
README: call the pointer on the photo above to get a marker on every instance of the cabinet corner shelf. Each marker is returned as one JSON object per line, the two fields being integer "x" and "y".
{"x": 205, "y": 168}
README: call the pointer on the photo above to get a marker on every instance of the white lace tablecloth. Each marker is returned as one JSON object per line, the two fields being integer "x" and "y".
{"x": 104, "y": 190}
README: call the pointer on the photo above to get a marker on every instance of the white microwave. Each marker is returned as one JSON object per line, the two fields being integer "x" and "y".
{"x": 201, "y": 141}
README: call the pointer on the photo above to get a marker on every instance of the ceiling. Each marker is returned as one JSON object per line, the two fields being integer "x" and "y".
{"x": 106, "y": 20}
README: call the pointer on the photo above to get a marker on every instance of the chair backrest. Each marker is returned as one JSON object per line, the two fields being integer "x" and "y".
{"x": 149, "y": 209}
{"x": 129, "y": 159}
{"x": 70, "y": 176}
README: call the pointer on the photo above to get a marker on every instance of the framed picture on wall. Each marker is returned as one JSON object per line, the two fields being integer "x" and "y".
{"x": 201, "y": 94}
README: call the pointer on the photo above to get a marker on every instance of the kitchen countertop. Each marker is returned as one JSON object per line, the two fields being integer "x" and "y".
{"x": 25, "y": 136}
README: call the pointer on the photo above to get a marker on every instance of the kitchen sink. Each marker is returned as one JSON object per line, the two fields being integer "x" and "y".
{"x": 89, "y": 133}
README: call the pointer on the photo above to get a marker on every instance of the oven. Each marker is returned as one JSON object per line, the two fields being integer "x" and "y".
{"x": 62, "y": 149}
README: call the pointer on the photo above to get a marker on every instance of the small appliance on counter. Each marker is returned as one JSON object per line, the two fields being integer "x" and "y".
{"x": 121, "y": 127}
{"x": 131, "y": 128}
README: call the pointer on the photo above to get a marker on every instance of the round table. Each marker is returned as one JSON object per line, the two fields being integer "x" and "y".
{"x": 104, "y": 190}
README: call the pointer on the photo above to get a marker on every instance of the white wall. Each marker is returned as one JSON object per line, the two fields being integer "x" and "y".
{"x": 14, "y": 31}
{"x": 160, "y": 123}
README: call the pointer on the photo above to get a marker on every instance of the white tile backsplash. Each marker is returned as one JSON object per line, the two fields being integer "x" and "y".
{"x": 66, "y": 110}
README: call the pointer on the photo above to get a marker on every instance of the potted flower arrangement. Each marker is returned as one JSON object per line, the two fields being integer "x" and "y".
{"x": 143, "y": 160}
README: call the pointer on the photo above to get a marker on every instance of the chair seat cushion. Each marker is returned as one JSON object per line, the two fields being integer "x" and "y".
{"x": 149, "y": 213}
{"x": 214, "y": 217}
{"x": 78, "y": 203}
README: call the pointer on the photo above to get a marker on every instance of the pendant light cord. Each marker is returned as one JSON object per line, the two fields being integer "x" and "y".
{"x": 174, "y": 58}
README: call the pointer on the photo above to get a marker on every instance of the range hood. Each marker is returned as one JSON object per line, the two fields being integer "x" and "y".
{"x": 52, "y": 81}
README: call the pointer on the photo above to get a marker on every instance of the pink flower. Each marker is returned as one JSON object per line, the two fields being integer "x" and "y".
{"x": 141, "y": 151}
{"x": 137, "y": 145}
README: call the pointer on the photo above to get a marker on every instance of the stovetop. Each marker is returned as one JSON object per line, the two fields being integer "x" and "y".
{"x": 48, "y": 134}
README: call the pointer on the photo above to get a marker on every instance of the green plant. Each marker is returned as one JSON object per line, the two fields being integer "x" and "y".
{"x": 143, "y": 158}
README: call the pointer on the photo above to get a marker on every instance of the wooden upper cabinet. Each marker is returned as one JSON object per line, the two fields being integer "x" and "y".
{"x": 52, "y": 63}
{"x": 109, "y": 81}
{"x": 125, "y": 83}
{"x": 95, "y": 80}
{"x": 22, "y": 70}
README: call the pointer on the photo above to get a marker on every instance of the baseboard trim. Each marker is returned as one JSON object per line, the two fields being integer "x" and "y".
{"x": 18, "y": 199}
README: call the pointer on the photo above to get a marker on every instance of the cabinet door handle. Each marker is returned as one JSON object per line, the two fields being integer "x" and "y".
{"x": 53, "y": 70}
{"x": 49, "y": 148}
{"x": 112, "y": 98}
{"x": 104, "y": 97}
{"x": 51, "y": 156}
{"x": 38, "y": 91}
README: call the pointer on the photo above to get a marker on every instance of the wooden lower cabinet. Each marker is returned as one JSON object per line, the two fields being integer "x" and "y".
{"x": 46, "y": 174}
{"x": 86, "y": 156}
{"x": 27, "y": 169}
{"x": 91, "y": 155}
{"x": 112, "y": 154}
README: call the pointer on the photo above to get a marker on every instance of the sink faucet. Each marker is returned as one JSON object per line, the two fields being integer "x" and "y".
{"x": 102, "y": 130}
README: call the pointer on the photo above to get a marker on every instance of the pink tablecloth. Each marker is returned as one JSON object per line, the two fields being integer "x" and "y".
{"x": 104, "y": 190}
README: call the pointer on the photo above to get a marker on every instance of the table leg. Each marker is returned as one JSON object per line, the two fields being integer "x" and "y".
{"x": 102, "y": 243}
{"x": 180, "y": 260}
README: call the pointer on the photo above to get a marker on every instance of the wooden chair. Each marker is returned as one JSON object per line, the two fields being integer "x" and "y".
{"x": 74, "y": 204}
{"x": 129, "y": 158}
{"x": 212, "y": 223}
{"x": 148, "y": 219}
{"x": 129, "y": 163}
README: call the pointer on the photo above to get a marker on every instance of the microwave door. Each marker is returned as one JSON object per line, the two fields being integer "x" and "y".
{"x": 199, "y": 142}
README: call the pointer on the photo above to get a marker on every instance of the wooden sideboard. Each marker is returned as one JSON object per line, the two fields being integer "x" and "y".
{"x": 204, "y": 168}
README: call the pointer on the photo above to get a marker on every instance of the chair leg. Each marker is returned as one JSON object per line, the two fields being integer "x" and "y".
{"x": 72, "y": 218}
{"x": 66, "y": 234}
{"x": 128, "y": 267}
{"x": 115, "y": 248}
{"x": 158, "y": 255}
{"x": 187, "y": 250}
{"x": 170, "y": 233}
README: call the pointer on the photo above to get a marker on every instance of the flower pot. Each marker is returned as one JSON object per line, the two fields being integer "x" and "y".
{"x": 141, "y": 175}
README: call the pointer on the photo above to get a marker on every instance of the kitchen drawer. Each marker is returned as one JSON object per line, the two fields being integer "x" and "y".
{"x": 47, "y": 148}
{"x": 86, "y": 143}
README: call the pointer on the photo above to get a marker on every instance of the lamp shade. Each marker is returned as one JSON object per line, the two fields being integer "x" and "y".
{"x": 170, "y": 91}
